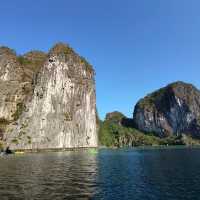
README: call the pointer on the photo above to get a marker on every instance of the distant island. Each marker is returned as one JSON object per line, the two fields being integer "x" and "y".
{"x": 168, "y": 116}
{"x": 48, "y": 101}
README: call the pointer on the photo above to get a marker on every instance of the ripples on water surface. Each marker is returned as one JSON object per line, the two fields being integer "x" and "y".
{"x": 158, "y": 174}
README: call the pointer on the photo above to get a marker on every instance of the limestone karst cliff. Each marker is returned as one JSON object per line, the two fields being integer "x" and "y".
{"x": 118, "y": 131}
{"x": 47, "y": 100}
{"x": 172, "y": 110}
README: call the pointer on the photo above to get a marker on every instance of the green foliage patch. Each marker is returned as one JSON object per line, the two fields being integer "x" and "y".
{"x": 150, "y": 99}
{"x": 23, "y": 61}
{"x": 15, "y": 141}
{"x": 29, "y": 139}
{"x": 4, "y": 121}
{"x": 61, "y": 48}
{"x": 18, "y": 112}
{"x": 87, "y": 64}
{"x": 115, "y": 135}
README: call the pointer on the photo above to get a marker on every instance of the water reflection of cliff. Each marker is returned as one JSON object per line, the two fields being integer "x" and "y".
{"x": 69, "y": 175}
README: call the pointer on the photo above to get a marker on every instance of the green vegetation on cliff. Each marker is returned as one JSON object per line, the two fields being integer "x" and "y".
{"x": 62, "y": 49}
{"x": 115, "y": 133}
{"x": 18, "y": 112}
{"x": 150, "y": 99}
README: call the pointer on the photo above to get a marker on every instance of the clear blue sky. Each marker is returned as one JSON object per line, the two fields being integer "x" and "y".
{"x": 135, "y": 46}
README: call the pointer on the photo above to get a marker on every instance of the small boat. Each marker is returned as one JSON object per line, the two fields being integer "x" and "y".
{"x": 8, "y": 151}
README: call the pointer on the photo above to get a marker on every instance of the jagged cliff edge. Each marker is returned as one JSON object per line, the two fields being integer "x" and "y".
{"x": 47, "y": 101}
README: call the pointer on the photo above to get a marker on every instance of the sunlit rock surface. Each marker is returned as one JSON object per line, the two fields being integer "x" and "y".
{"x": 47, "y": 101}
{"x": 174, "y": 109}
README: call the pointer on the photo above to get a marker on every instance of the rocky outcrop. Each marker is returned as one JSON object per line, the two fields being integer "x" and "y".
{"x": 117, "y": 117}
{"x": 174, "y": 109}
{"x": 47, "y": 101}
{"x": 117, "y": 131}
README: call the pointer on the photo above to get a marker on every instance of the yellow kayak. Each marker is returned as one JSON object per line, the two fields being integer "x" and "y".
{"x": 19, "y": 152}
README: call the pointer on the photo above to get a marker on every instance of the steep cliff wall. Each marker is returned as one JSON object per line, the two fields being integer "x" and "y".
{"x": 174, "y": 109}
{"x": 118, "y": 131}
{"x": 51, "y": 100}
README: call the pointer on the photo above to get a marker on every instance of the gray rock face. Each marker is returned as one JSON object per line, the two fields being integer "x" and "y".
{"x": 174, "y": 109}
{"x": 52, "y": 99}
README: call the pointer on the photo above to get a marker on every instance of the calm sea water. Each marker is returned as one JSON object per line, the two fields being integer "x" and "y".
{"x": 151, "y": 174}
